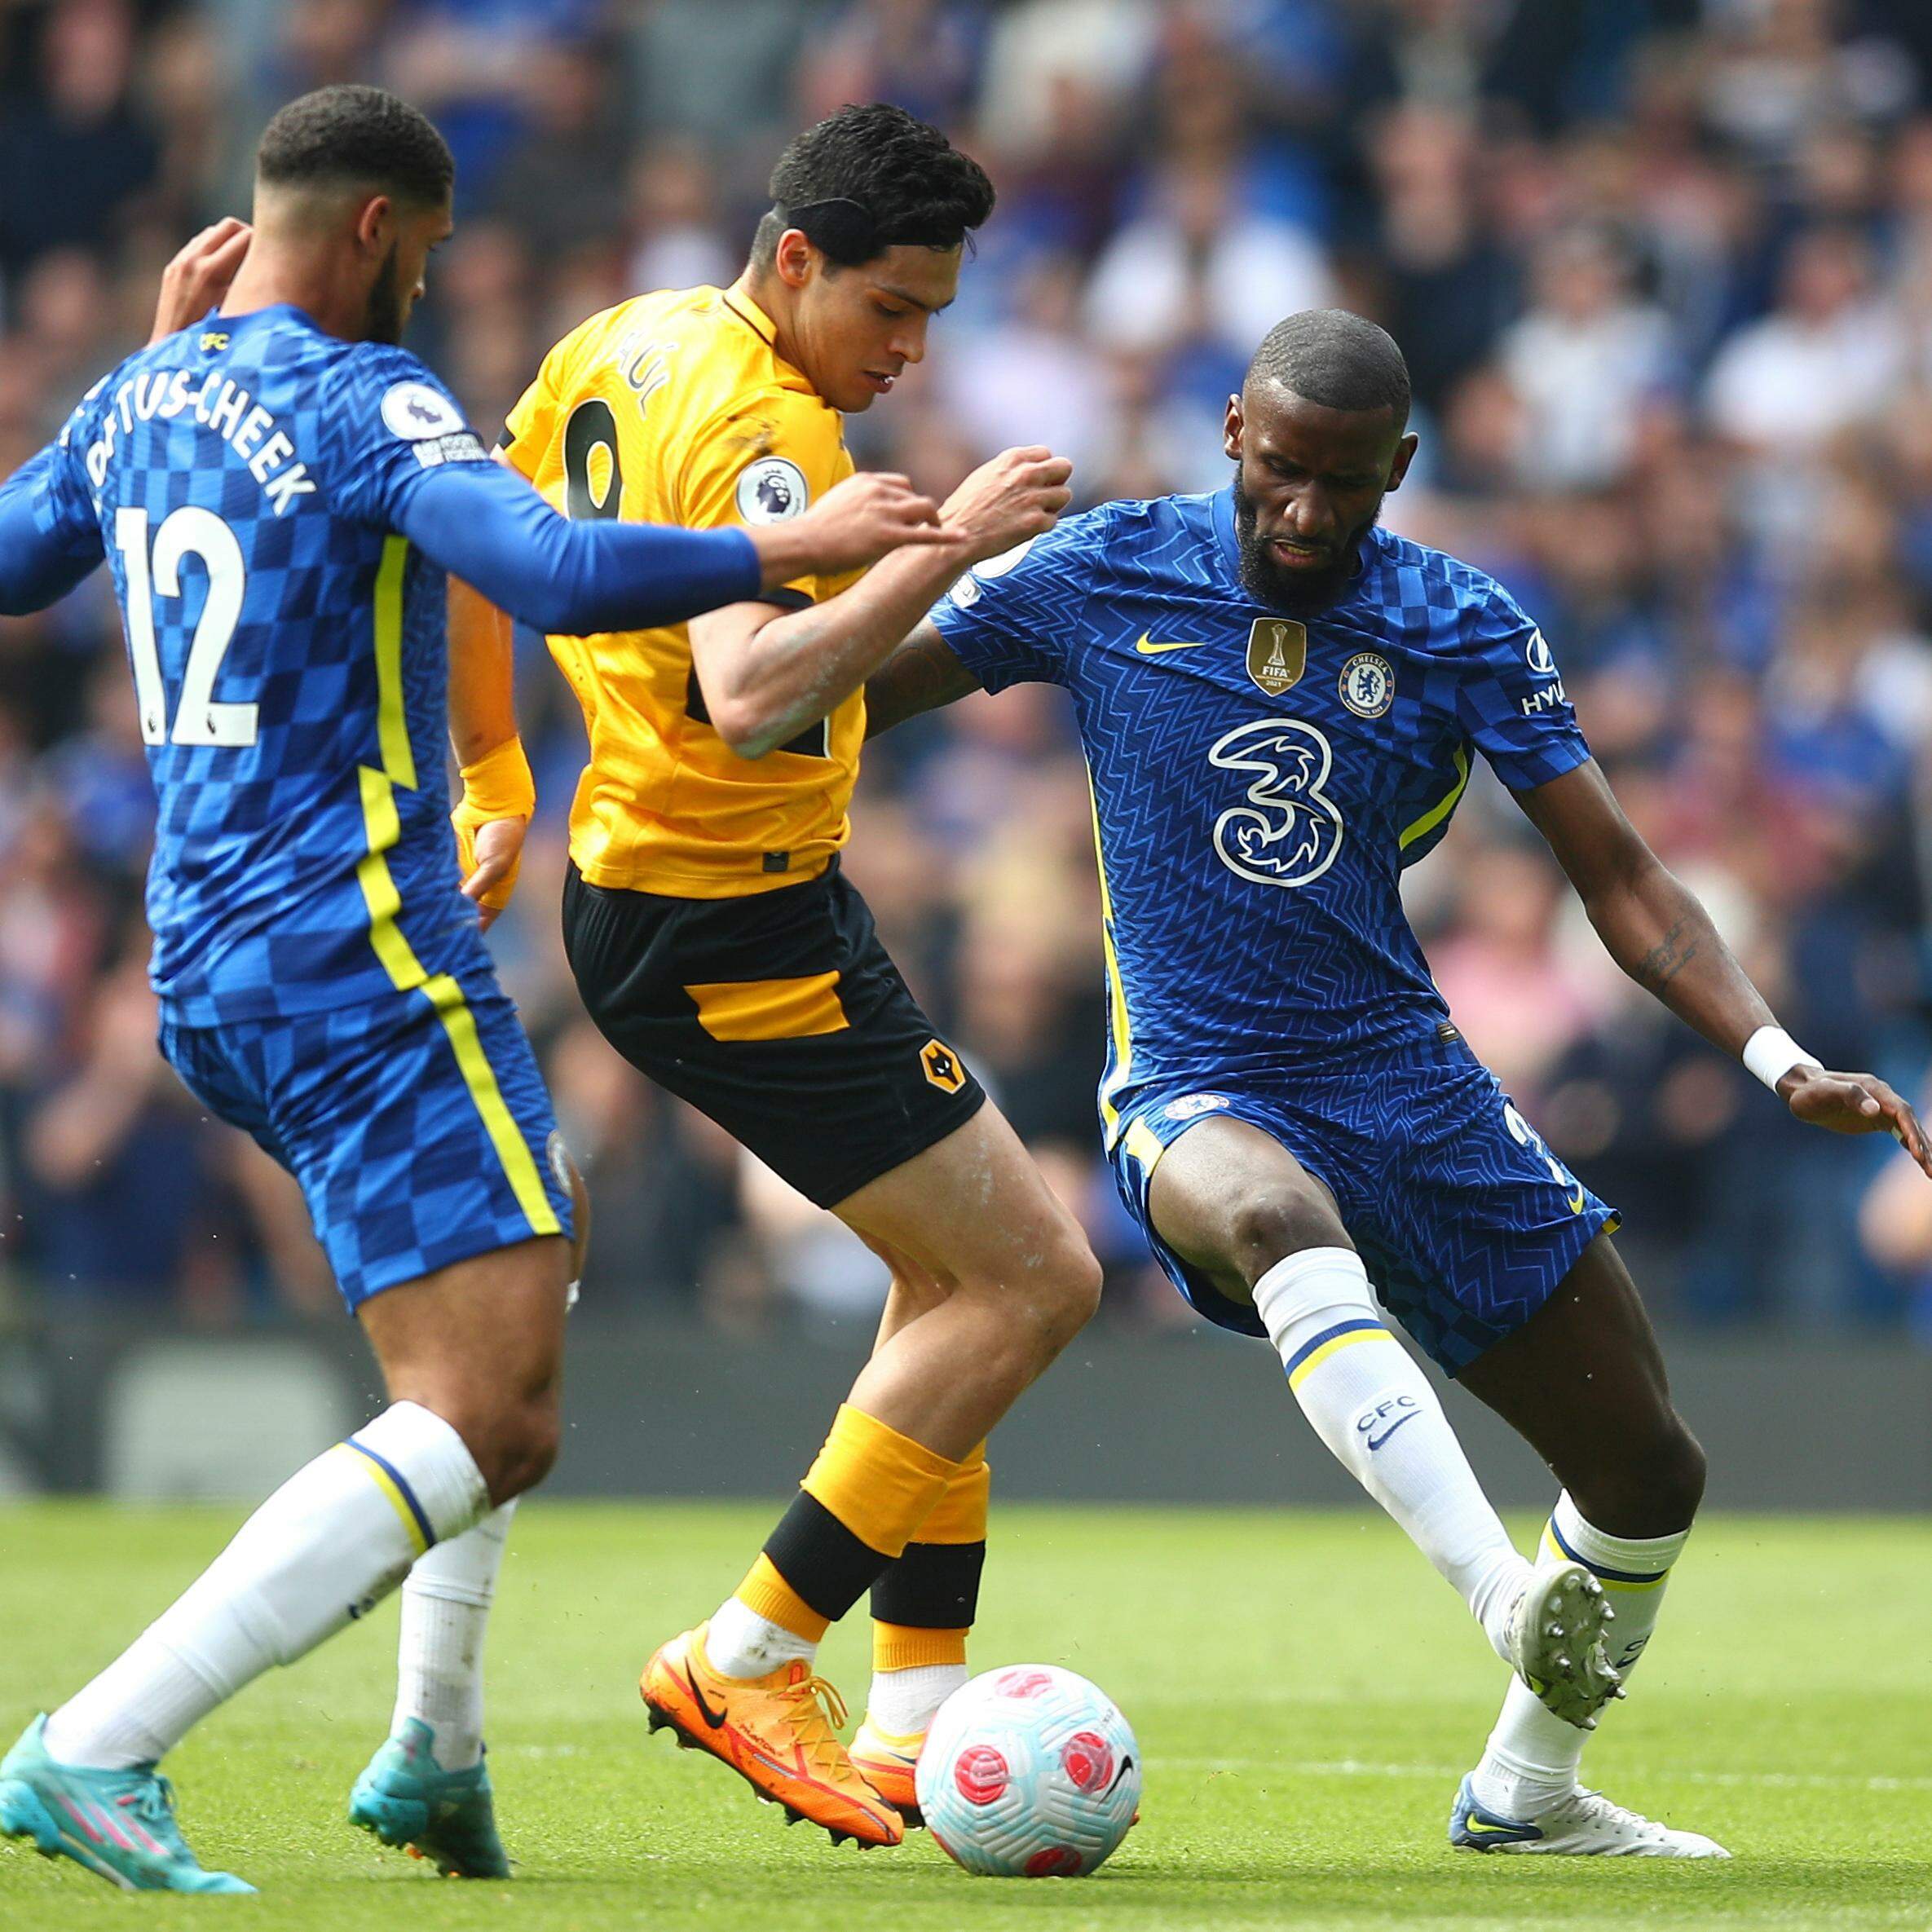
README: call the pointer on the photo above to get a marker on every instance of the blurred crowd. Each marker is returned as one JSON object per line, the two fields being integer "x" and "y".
{"x": 1663, "y": 271}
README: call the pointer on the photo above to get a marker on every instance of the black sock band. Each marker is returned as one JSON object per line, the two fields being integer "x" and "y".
{"x": 934, "y": 1586}
{"x": 821, "y": 1558}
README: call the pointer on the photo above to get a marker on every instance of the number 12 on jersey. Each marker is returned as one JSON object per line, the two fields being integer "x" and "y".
{"x": 189, "y": 532}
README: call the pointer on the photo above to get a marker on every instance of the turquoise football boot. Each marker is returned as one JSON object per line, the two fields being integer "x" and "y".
{"x": 119, "y": 1824}
{"x": 407, "y": 1799}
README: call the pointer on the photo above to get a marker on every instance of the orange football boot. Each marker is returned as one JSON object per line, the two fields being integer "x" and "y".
{"x": 887, "y": 1763}
{"x": 777, "y": 1733}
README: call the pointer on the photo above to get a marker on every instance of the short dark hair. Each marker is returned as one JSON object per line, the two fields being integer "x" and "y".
{"x": 350, "y": 136}
{"x": 1340, "y": 360}
{"x": 868, "y": 178}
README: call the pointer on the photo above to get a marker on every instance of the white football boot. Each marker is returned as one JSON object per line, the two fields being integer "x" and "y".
{"x": 1583, "y": 1825}
{"x": 1556, "y": 1643}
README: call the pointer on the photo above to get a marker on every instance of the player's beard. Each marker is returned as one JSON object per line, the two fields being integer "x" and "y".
{"x": 1297, "y": 592}
{"x": 383, "y": 317}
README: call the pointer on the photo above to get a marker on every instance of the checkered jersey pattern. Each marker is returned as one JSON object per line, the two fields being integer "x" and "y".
{"x": 369, "y": 1108}
{"x": 1252, "y": 845}
{"x": 244, "y": 478}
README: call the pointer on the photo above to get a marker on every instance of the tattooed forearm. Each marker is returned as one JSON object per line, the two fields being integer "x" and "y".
{"x": 1667, "y": 958}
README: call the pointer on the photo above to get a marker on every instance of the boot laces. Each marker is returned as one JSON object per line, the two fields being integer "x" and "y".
{"x": 818, "y": 1708}
{"x": 1600, "y": 1809}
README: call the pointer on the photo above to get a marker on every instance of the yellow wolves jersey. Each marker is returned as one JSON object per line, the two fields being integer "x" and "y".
{"x": 676, "y": 408}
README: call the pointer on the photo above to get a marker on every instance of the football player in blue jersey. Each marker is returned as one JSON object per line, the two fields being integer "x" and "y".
{"x": 279, "y": 490}
{"x": 1279, "y": 703}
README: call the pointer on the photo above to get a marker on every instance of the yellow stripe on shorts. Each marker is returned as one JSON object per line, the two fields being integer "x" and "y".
{"x": 770, "y": 1009}
{"x": 383, "y": 828}
{"x": 1144, "y": 1144}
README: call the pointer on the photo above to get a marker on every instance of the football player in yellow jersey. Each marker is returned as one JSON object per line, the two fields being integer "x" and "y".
{"x": 720, "y": 948}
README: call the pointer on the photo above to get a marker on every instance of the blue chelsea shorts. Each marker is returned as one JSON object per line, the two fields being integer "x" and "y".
{"x": 418, "y": 1124}
{"x": 1464, "y": 1219}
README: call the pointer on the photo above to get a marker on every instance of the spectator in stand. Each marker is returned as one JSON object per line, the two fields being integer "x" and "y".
{"x": 1587, "y": 360}
{"x": 1447, "y": 287}
{"x": 1826, "y": 359}
{"x": 76, "y": 154}
{"x": 1198, "y": 269}
{"x": 677, "y": 231}
{"x": 560, "y": 184}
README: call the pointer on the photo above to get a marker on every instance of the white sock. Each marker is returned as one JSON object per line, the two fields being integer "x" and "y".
{"x": 903, "y": 1703}
{"x": 328, "y": 1546}
{"x": 1371, "y": 1405}
{"x": 739, "y": 1642}
{"x": 446, "y": 1616}
{"x": 1533, "y": 1755}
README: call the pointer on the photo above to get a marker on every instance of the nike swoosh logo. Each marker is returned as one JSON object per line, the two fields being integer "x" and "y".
{"x": 1576, "y": 1202}
{"x": 1479, "y": 1825}
{"x": 1375, "y": 1442}
{"x": 715, "y": 1719}
{"x": 1149, "y": 648}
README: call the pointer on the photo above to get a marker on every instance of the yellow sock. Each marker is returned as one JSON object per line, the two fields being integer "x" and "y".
{"x": 959, "y": 1516}
{"x": 766, "y": 1593}
{"x": 908, "y": 1647}
{"x": 880, "y": 1484}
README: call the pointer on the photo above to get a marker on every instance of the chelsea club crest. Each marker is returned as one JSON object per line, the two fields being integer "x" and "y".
{"x": 1367, "y": 684}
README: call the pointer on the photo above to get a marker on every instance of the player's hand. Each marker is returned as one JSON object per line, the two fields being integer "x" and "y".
{"x": 1855, "y": 1104}
{"x": 853, "y": 526}
{"x": 199, "y": 275}
{"x": 1019, "y": 495}
{"x": 491, "y": 854}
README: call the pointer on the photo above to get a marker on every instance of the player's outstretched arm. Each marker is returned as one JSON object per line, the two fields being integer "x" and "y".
{"x": 923, "y": 674}
{"x": 865, "y": 517}
{"x": 768, "y": 674}
{"x": 1659, "y": 932}
{"x": 47, "y": 545}
{"x": 487, "y": 527}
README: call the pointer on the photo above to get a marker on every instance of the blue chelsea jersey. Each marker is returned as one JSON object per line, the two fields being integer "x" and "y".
{"x": 244, "y": 478}
{"x": 1259, "y": 781}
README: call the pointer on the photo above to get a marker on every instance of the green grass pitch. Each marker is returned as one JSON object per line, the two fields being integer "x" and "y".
{"x": 1306, "y": 1693}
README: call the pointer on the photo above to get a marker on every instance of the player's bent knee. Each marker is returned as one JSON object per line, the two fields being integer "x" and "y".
{"x": 1650, "y": 1485}
{"x": 1273, "y": 1223}
{"x": 1058, "y": 1296}
{"x": 1674, "y": 1471}
{"x": 518, "y": 1449}
{"x": 1076, "y": 1273}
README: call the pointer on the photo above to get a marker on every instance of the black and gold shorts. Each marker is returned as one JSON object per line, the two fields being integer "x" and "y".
{"x": 780, "y": 1016}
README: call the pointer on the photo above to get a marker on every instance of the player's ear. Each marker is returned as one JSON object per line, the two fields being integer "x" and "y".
{"x": 1231, "y": 432}
{"x": 1404, "y": 455}
{"x": 375, "y": 224}
{"x": 792, "y": 259}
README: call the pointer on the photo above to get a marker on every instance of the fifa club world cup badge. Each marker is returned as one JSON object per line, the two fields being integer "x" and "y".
{"x": 1367, "y": 684}
{"x": 1277, "y": 652}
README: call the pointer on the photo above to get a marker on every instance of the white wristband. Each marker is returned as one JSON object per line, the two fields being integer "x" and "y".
{"x": 1770, "y": 1053}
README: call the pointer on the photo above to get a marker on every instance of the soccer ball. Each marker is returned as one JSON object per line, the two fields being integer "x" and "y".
{"x": 1029, "y": 1772}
